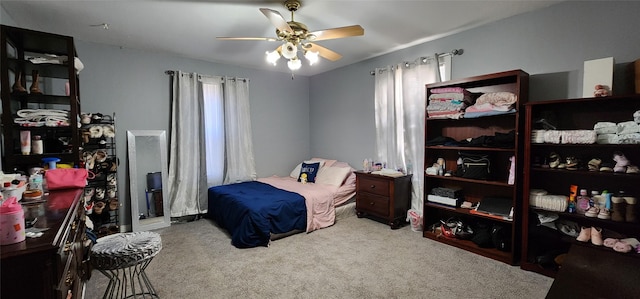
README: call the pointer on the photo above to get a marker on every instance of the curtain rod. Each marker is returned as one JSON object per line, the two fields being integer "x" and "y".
{"x": 171, "y": 73}
{"x": 424, "y": 59}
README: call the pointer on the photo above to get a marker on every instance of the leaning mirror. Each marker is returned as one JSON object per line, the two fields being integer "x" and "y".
{"x": 148, "y": 177}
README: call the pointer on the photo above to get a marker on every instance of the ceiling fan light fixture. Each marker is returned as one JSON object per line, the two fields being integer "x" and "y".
{"x": 311, "y": 56}
{"x": 294, "y": 64}
{"x": 272, "y": 57}
{"x": 289, "y": 50}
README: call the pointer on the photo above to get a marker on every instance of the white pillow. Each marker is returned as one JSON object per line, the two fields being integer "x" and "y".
{"x": 295, "y": 173}
{"x": 333, "y": 175}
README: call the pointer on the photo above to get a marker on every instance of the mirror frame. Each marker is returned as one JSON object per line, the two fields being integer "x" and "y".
{"x": 156, "y": 222}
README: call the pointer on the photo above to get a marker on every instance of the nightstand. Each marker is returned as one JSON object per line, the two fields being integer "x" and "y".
{"x": 383, "y": 197}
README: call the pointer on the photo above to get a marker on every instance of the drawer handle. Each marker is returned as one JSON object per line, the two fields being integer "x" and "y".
{"x": 371, "y": 203}
{"x": 373, "y": 186}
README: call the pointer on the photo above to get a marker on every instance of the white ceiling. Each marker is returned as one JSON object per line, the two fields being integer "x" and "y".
{"x": 190, "y": 28}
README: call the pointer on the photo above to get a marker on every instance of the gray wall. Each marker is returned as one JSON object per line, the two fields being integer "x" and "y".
{"x": 133, "y": 85}
{"x": 550, "y": 44}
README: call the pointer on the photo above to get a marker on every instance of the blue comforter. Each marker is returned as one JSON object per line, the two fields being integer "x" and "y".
{"x": 251, "y": 211}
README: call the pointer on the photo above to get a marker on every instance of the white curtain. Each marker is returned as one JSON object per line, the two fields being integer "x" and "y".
{"x": 210, "y": 139}
{"x": 240, "y": 166}
{"x": 399, "y": 117}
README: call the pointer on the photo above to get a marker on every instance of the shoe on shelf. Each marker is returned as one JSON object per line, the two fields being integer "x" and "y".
{"x": 585, "y": 234}
{"x": 592, "y": 212}
{"x": 594, "y": 164}
{"x": 623, "y": 247}
{"x": 554, "y": 160}
{"x": 596, "y": 236}
{"x": 631, "y": 209}
{"x": 610, "y": 242}
{"x": 606, "y": 167}
{"x": 604, "y": 214}
{"x": 633, "y": 169}
{"x": 572, "y": 163}
{"x": 618, "y": 208}
{"x": 621, "y": 162}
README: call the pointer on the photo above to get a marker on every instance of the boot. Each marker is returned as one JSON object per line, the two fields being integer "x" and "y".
{"x": 35, "y": 78}
{"x": 631, "y": 202}
{"x": 618, "y": 207}
{"x": 17, "y": 86}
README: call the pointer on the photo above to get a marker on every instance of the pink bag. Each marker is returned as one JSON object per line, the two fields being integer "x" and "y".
{"x": 66, "y": 178}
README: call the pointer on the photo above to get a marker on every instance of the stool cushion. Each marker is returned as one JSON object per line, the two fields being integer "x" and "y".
{"x": 124, "y": 249}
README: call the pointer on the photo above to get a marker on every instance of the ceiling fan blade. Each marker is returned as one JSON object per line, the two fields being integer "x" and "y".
{"x": 324, "y": 52}
{"x": 339, "y": 32}
{"x": 276, "y": 19}
{"x": 271, "y": 39}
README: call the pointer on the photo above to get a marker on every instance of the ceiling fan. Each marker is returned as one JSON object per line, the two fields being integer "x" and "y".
{"x": 294, "y": 35}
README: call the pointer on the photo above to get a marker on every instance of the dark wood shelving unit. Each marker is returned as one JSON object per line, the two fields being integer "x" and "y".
{"x": 17, "y": 45}
{"x": 575, "y": 114}
{"x": 517, "y": 82}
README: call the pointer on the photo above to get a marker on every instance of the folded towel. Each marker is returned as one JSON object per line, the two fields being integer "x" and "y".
{"x": 628, "y": 127}
{"x": 502, "y": 98}
{"x": 605, "y": 128}
{"x": 450, "y": 89}
{"x": 578, "y": 136}
{"x": 636, "y": 116}
{"x": 632, "y": 138}
{"x": 552, "y": 136}
{"x": 608, "y": 139}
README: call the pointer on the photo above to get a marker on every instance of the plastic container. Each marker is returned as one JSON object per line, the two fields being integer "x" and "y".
{"x": 11, "y": 222}
{"x": 582, "y": 202}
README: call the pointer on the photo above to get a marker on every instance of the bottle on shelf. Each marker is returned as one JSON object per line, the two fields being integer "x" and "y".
{"x": 582, "y": 202}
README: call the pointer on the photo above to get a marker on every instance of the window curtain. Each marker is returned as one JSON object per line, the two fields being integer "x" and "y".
{"x": 210, "y": 140}
{"x": 399, "y": 118}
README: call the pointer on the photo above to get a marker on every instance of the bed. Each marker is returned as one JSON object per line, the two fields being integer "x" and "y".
{"x": 257, "y": 212}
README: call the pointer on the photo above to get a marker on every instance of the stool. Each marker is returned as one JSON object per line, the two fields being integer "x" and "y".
{"x": 122, "y": 258}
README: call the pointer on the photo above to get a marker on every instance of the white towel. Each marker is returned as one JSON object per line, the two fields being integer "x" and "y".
{"x": 628, "y": 127}
{"x": 636, "y": 116}
{"x": 578, "y": 136}
{"x": 552, "y": 136}
{"x": 631, "y": 138}
{"x": 608, "y": 139}
{"x": 605, "y": 128}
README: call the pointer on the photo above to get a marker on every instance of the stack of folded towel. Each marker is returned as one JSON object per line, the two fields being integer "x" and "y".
{"x": 42, "y": 117}
{"x": 492, "y": 103}
{"x": 448, "y": 102}
{"x": 627, "y": 132}
{"x": 564, "y": 136}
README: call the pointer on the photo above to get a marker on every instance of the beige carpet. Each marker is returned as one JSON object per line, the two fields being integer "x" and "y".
{"x": 355, "y": 258}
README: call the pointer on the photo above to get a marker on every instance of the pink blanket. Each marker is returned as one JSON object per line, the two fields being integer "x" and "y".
{"x": 319, "y": 199}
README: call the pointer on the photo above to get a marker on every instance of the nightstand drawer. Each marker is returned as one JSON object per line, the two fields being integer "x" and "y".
{"x": 375, "y": 186}
{"x": 372, "y": 203}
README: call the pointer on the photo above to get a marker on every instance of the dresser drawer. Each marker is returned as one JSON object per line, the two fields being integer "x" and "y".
{"x": 376, "y": 204}
{"x": 372, "y": 185}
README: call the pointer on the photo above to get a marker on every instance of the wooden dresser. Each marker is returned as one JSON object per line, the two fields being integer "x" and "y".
{"x": 383, "y": 197}
{"x": 53, "y": 265}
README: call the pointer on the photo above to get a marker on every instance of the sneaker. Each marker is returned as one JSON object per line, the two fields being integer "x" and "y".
{"x": 604, "y": 214}
{"x": 572, "y": 163}
{"x": 592, "y": 212}
{"x": 594, "y": 164}
{"x": 554, "y": 160}
{"x": 632, "y": 169}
